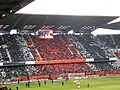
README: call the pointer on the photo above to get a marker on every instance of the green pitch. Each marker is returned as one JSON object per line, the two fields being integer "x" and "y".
{"x": 102, "y": 83}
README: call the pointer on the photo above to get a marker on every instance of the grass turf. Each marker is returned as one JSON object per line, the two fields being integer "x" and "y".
{"x": 102, "y": 83}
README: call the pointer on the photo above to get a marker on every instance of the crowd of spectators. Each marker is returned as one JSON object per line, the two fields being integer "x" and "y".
{"x": 3, "y": 51}
{"x": 79, "y": 46}
{"x": 91, "y": 46}
{"x": 116, "y": 39}
{"x": 107, "y": 41}
{"x": 71, "y": 47}
{"x": 6, "y": 73}
{"x": 117, "y": 54}
{"x": 53, "y": 49}
{"x": 104, "y": 66}
{"x": 14, "y": 71}
{"x": 18, "y": 49}
{"x": 110, "y": 41}
{"x": 3, "y": 54}
{"x": 32, "y": 47}
{"x": 63, "y": 68}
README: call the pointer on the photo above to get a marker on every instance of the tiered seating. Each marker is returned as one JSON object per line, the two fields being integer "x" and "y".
{"x": 17, "y": 48}
{"x": 78, "y": 45}
{"x": 71, "y": 47}
{"x": 66, "y": 40}
{"x": 118, "y": 54}
{"x": 104, "y": 66}
{"x": 3, "y": 53}
{"x": 107, "y": 41}
{"x": 58, "y": 48}
{"x": 9, "y": 72}
{"x": 89, "y": 45}
{"x": 111, "y": 42}
{"x": 75, "y": 51}
{"x": 63, "y": 68}
{"x": 28, "y": 41}
{"x": 116, "y": 40}
{"x": 92, "y": 47}
{"x": 53, "y": 49}
{"x": 32, "y": 47}
{"x": 31, "y": 70}
{"x": 48, "y": 69}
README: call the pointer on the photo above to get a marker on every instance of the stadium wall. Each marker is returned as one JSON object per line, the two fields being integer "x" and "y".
{"x": 56, "y": 61}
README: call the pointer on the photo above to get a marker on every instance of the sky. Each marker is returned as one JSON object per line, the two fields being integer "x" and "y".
{"x": 76, "y": 7}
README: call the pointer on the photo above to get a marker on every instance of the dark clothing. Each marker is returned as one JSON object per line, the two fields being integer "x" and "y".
{"x": 39, "y": 83}
{"x": 45, "y": 82}
{"x": 88, "y": 85}
{"x": 18, "y": 81}
{"x": 16, "y": 88}
{"x": 62, "y": 83}
{"x": 52, "y": 81}
{"x": 26, "y": 84}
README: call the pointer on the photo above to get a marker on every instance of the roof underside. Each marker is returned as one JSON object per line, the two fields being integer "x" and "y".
{"x": 59, "y": 23}
{"x": 55, "y": 22}
{"x": 11, "y": 6}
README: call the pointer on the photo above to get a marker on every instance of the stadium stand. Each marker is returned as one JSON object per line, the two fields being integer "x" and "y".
{"x": 107, "y": 41}
{"x": 32, "y": 47}
{"x": 63, "y": 68}
{"x": 53, "y": 49}
{"x": 111, "y": 43}
{"x": 3, "y": 51}
{"x": 116, "y": 39}
{"x": 104, "y": 66}
{"x": 22, "y": 48}
{"x": 18, "y": 49}
{"x": 62, "y": 47}
{"x": 9, "y": 72}
{"x": 91, "y": 47}
{"x": 47, "y": 70}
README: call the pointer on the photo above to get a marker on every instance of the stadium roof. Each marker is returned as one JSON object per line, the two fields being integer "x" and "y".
{"x": 73, "y": 7}
{"x": 59, "y": 23}
{"x": 11, "y": 6}
{"x": 55, "y": 22}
